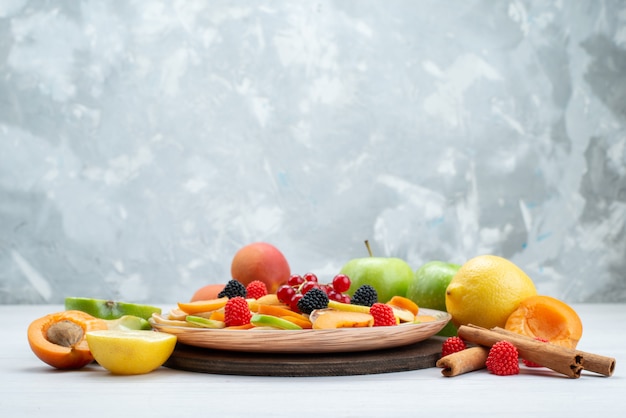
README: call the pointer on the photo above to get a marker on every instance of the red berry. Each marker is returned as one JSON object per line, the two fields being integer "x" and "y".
{"x": 452, "y": 345}
{"x": 237, "y": 312}
{"x": 502, "y": 359}
{"x": 344, "y": 298}
{"x": 341, "y": 283}
{"x": 308, "y": 286}
{"x": 310, "y": 277}
{"x": 383, "y": 315}
{"x": 293, "y": 303}
{"x": 285, "y": 293}
{"x": 256, "y": 289}
{"x": 295, "y": 280}
{"x": 326, "y": 288}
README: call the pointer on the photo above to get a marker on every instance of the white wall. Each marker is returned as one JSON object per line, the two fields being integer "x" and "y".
{"x": 143, "y": 142}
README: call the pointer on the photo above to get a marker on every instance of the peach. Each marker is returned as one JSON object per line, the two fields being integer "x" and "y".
{"x": 260, "y": 261}
{"x": 208, "y": 292}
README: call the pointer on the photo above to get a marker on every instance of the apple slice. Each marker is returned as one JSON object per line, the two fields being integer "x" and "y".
{"x": 402, "y": 315}
{"x": 108, "y": 309}
{"x": 331, "y": 319}
{"x": 128, "y": 322}
{"x": 201, "y": 322}
{"x": 348, "y": 307}
{"x": 262, "y": 320}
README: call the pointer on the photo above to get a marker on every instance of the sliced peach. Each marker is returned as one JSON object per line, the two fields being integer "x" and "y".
{"x": 203, "y": 305}
{"x": 217, "y": 315}
{"x": 299, "y": 320}
{"x": 404, "y": 303}
{"x": 276, "y": 310}
{"x": 343, "y": 319}
{"x": 269, "y": 299}
{"x": 424, "y": 318}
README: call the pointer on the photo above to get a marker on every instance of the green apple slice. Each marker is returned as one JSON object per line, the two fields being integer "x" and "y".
{"x": 129, "y": 322}
{"x": 199, "y": 321}
{"x": 340, "y": 306}
{"x": 263, "y": 320}
{"x": 108, "y": 309}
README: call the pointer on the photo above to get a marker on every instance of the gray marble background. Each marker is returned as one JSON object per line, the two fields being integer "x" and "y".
{"x": 143, "y": 142}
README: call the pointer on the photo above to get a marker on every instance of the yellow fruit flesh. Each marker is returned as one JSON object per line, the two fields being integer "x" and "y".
{"x": 130, "y": 352}
{"x": 343, "y": 319}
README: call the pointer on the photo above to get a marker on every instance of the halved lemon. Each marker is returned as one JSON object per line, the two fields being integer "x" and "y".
{"x": 129, "y": 352}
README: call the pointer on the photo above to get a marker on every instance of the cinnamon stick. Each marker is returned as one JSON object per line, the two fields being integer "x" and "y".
{"x": 465, "y": 361}
{"x": 592, "y": 362}
{"x": 560, "y": 359}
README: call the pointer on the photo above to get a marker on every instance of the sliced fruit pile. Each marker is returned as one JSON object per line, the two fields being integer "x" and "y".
{"x": 302, "y": 303}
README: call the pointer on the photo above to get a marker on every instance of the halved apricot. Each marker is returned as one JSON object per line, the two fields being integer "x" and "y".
{"x": 276, "y": 310}
{"x": 58, "y": 339}
{"x": 546, "y": 318}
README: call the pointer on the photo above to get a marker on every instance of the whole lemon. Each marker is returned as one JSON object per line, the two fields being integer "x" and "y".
{"x": 486, "y": 290}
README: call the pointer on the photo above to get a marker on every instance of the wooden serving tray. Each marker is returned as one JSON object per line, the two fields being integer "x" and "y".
{"x": 421, "y": 355}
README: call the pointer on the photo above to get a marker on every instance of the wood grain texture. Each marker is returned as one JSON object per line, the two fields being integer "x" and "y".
{"x": 416, "y": 356}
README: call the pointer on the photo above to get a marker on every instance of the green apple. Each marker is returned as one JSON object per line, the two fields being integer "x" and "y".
{"x": 108, "y": 309}
{"x": 390, "y": 276}
{"x": 428, "y": 289}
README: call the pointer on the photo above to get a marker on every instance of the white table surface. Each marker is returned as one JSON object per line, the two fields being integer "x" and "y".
{"x": 29, "y": 387}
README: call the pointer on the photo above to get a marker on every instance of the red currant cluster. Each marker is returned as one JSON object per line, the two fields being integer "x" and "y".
{"x": 297, "y": 286}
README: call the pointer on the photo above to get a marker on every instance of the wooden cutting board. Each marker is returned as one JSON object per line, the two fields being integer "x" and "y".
{"x": 421, "y": 355}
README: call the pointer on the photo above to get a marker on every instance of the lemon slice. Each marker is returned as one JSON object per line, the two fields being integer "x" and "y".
{"x": 129, "y": 352}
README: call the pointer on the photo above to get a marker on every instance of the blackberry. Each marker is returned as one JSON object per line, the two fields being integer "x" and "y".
{"x": 313, "y": 299}
{"x": 233, "y": 288}
{"x": 365, "y": 296}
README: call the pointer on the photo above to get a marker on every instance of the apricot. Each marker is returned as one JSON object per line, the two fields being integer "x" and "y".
{"x": 260, "y": 261}
{"x": 546, "y": 318}
{"x": 207, "y": 292}
{"x": 58, "y": 339}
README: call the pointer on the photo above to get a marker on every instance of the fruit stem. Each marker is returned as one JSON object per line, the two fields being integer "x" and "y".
{"x": 369, "y": 249}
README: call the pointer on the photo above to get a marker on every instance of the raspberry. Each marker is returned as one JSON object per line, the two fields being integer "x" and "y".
{"x": 233, "y": 288}
{"x": 502, "y": 359}
{"x": 452, "y": 345}
{"x": 529, "y": 363}
{"x": 313, "y": 299}
{"x": 365, "y": 295}
{"x": 237, "y": 312}
{"x": 256, "y": 289}
{"x": 383, "y": 315}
